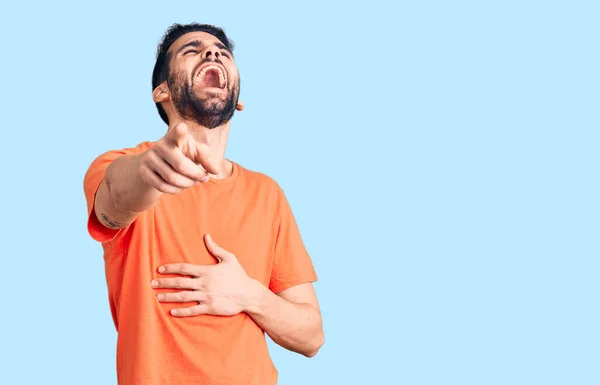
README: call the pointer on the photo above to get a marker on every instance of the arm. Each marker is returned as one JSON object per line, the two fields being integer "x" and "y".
{"x": 123, "y": 194}
{"x": 134, "y": 183}
{"x": 291, "y": 318}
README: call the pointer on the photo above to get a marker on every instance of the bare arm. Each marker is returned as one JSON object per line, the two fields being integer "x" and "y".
{"x": 291, "y": 318}
{"x": 123, "y": 194}
{"x": 134, "y": 183}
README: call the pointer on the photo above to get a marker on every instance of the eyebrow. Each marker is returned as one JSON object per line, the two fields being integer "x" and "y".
{"x": 193, "y": 43}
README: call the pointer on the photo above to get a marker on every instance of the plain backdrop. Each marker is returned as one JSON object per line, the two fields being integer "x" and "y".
{"x": 441, "y": 158}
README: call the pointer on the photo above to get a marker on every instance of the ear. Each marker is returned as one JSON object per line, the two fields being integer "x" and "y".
{"x": 240, "y": 106}
{"x": 161, "y": 93}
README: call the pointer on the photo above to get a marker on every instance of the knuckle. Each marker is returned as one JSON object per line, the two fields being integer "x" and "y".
{"x": 157, "y": 152}
{"x": 144, "y": 161}
{"x": 143, "y": 174}
{"x": 178, "y": 164}
{"x": 179, "y": 283}
{"x": 151, "y": 156}
{"x": 144, "y": 170}
{"x": 183, "y": 295}
{"x": 171, "y": 178}
{"x": 185, "y": 269}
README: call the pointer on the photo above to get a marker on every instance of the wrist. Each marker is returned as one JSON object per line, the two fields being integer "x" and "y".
{"x": 254, "y": 298}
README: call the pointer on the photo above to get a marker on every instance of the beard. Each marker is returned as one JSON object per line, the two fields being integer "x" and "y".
{"x": 210, "y": 111}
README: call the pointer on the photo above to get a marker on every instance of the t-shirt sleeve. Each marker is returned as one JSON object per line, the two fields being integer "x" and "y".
{"x": 91, "y": 182}
{"x": 292, "y": 264}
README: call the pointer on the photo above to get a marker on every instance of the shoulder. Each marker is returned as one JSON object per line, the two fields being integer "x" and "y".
{"x": 110, "y": 155}
{"x": 141, "y": 147}
{"x": 261, "y": 181}
{"x": 259, "y": 178}
{"x": 101, "y": 162}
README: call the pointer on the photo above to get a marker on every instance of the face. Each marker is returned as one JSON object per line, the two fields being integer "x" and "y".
{"x": 203, "y": 81}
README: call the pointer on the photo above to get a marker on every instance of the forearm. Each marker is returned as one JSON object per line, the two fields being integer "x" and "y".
{"x": 123, "y": 194}
{"x": 127, "y": 189}
{"x": 294, "y": 326}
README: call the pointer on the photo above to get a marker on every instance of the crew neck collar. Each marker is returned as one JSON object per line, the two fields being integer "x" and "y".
{"x": 228, "y": 180}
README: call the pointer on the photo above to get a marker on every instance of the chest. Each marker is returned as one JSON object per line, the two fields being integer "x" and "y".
{"x": 245, "y": 227}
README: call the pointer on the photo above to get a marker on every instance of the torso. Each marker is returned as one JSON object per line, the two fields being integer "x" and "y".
{"x": 153, "y": 346}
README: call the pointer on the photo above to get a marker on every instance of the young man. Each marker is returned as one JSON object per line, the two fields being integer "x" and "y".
{"x": 202, "y": 255}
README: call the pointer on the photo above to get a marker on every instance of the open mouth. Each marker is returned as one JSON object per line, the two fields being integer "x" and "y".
{"x": 210, "y": 76}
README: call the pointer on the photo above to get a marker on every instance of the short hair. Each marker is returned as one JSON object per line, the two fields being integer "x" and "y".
{"x": 174, "y": 32}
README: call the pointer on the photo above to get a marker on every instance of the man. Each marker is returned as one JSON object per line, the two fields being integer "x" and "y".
{"x": 202, "y": 255}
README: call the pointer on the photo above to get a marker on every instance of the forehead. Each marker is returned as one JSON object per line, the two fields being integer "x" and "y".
{"x": 205, "y": 38}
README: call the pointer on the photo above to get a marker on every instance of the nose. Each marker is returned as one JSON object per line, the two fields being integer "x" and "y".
{"x": 212, "y": 51}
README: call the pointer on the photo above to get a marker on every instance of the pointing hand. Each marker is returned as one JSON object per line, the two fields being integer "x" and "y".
{"x": 176, "y": 162}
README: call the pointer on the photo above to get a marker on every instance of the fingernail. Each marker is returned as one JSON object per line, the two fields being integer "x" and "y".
{"x": 204, "y": 179}
{"x": 154, "y": 283}
{"x": 174, "y": 312}
{"x": 160, "y": 297}
{"x": 161, "y": 269}
{"x": 208, "y": 238}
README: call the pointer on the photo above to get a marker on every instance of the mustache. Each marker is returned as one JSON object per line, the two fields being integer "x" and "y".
{"x": 207, "y": 60}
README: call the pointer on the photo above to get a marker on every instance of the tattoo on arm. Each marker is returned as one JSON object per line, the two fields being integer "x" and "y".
{"x": 109, "y": 222}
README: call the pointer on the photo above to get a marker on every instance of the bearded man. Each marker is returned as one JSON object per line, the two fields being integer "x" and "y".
{"x": 202, "y": 256}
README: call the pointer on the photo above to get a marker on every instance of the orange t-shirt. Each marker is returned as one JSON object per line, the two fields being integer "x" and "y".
{"x": 246, "y": 213}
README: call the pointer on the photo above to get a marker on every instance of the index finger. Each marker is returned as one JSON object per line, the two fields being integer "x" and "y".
{"x": 182, "y": 269}
{"x": 178, "y": 133}
{"x": 181, "y": 163}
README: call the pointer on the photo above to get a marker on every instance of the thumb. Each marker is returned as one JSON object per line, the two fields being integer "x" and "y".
{"x": 203, "y": 157}
{"x": 178, "y": 134}
{"x": 217, "y": 251}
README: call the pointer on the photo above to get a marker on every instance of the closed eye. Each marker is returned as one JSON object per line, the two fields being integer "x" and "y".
{"x": 190, "y": 50}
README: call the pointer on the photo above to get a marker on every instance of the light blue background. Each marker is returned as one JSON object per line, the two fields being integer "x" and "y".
{"x": 441, "y": 159}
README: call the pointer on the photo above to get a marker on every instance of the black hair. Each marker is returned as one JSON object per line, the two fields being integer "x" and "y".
{"x": 174, "y": 32}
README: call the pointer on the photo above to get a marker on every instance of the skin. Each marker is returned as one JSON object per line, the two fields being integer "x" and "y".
{"x": 189, "y": 154}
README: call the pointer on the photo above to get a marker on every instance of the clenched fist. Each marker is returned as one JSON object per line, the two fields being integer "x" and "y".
{"x": 176, "y": 162}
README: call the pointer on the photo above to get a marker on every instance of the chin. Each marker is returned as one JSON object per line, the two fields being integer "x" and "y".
{"x": 214, "y": 106}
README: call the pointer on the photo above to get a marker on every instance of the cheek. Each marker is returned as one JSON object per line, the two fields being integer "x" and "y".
{"x": 233, "y": 74}
{"x": 235, "y": 81}
{"x": 186, "y": 69}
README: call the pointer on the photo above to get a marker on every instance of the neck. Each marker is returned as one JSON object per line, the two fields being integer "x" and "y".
{"x": 216, "y": 139}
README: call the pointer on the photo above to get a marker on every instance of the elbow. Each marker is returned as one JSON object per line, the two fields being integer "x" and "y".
{"x": 316, "y": 345}
{"x": 115, "y": 194}
{"x": 117, "y": 197}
